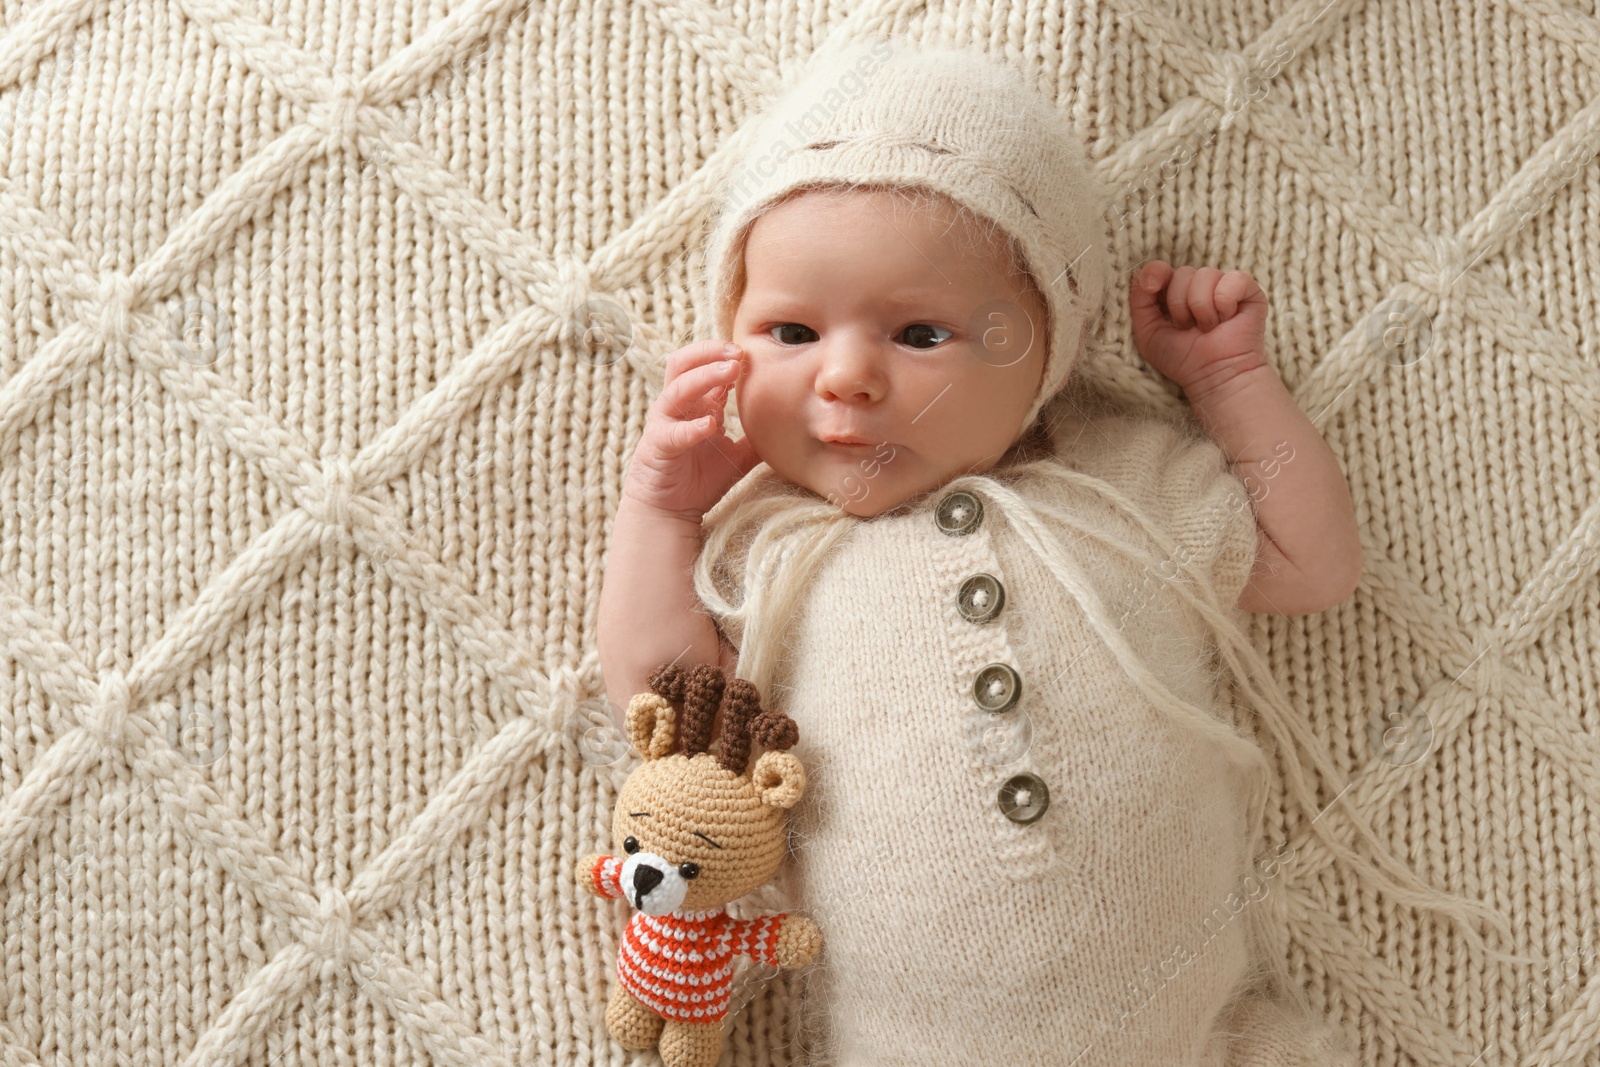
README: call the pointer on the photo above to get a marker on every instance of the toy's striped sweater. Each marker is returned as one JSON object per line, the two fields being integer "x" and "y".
{"x": 681, "y": 964}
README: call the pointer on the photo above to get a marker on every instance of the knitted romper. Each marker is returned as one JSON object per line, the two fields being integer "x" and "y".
{"x": 944, "y": 681}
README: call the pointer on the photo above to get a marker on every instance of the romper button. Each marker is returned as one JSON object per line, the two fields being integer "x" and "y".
{"x": 997, "y": 688}
{"x": 1024, "y": 797}
{"x": 980, "y": 598}
{"x": 959, "y": 513}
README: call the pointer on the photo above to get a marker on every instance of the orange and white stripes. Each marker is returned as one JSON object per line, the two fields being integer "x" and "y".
{"x": 681, "y": 964}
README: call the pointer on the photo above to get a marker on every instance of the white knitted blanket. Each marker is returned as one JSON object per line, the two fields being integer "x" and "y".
{"x": 328, "y": 331}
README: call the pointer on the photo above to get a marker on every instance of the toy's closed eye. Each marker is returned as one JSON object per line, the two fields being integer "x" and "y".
{"x": 697, "y": 833}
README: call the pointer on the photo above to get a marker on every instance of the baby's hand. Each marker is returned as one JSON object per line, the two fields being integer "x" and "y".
{"x": 685, "y": 462}
{"x": 1199, "y": 327}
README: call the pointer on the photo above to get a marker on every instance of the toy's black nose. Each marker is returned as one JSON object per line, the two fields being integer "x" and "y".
{"x": 645, "y": 878}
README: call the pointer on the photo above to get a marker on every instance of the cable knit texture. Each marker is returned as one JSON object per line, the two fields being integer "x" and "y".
{"x": 329, "y": 330}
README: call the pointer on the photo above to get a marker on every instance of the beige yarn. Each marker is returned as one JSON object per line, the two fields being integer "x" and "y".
{"x": 305, "y": 476}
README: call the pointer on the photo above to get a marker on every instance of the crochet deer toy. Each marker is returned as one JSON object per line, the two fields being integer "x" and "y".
{"x": 695, "y": 832}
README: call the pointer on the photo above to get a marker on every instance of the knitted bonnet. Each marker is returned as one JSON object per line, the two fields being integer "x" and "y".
{"x": 894, "y": 113}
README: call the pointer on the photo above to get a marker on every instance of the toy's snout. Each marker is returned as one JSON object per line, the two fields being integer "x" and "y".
{"x": 652, "y": 883}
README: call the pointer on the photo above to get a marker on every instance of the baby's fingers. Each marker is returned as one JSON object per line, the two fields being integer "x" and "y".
{"x": 1178, "y": 297}
{"x": 680, "y": 435}
{"x": 687, "y": 395}
{"x": 1148, "y": 278}
{"x": 1144, "y": 291}
{"x": 1234, "y": 291}
{"x": 1203, "y": 298}
{"x": 698, "y": 354}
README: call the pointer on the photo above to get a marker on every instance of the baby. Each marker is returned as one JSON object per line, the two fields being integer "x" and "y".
{"x": 1032, "y": 833}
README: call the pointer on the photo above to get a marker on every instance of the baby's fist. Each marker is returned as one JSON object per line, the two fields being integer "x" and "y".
{"x": 586, "y": 872}
{"x": 799, "y": 941}
{"x": 1201, "y": 327}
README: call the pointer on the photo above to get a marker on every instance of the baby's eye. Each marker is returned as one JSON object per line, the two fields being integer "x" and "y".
{"x": 923, "y": 334}
{"x": 792, "y": 326}
{"x": 920, "y": 330}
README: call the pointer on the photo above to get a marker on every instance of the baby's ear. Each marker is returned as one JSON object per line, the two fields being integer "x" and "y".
{"x": 779, "y": 779}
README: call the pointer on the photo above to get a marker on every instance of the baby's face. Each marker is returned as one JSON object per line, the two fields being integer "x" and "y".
{"x": 867, "y": 317}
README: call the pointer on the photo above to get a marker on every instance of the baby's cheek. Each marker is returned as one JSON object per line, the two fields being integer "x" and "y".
{"x": 760, "y": 403}
{"x": 760, "y": 419}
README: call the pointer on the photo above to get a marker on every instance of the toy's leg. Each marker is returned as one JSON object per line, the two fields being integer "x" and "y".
{"x": 691, "y": 1044}
{"x": 631, "y": 1021}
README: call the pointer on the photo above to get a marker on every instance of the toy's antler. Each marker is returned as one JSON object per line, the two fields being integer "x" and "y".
{"x": 744, "y": 718}
{"x": 742, "y": 704}
{"x": 700, "y": 689}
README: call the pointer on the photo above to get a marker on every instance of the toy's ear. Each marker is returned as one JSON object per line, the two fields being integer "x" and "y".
{"x": 652, "y": 725}
{"x": 779, "y": 779}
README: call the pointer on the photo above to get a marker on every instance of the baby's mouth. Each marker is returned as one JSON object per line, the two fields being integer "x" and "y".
{"x": 848, "y": 440}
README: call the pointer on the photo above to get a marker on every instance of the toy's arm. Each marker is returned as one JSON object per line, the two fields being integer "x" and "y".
{"x": 784, "y": 940}
{"x": 601, "y": 874}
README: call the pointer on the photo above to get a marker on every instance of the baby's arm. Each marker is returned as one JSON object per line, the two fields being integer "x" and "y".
{"x": 1209, "y": 339}
{"x": 684, "y": 463}
{"x": 1308, "y": 555}
{"x": 648, "y": 608}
